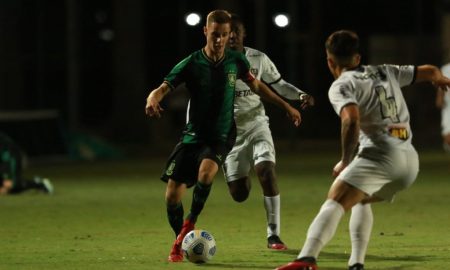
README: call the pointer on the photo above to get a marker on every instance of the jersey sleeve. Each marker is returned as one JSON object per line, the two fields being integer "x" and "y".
{"x": 405, "y": 75}
{"x": 244, "y": 69}
{"x": 176, "y": 75}
{"x": 340, "y": 95}
{"x": 270, "y": 72}
{"x": 272, "y": 77}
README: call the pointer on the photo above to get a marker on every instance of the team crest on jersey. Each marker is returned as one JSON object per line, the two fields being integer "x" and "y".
{"x": 232, "y": 79}
{"x": 254, "y": 71}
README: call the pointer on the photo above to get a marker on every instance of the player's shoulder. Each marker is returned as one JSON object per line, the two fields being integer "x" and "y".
{"x": 233, "y": 54}
{"x": 251, "y": 52}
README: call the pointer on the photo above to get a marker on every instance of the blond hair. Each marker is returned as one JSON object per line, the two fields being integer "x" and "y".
{"x": 219, "y": 16}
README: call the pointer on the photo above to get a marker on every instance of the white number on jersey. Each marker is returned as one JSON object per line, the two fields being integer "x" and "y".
{"x": 388, "y": 105}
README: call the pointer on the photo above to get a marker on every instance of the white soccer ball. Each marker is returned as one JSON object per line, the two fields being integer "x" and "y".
{"x": 199, "y": 246}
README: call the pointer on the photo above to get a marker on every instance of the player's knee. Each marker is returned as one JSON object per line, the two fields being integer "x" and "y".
{"x": 240, "y": 189}
{"x": 239, "y": 195}
{"x": 265, "y": 172}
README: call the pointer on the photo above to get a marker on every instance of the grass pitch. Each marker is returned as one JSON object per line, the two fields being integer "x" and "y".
{"x": 111, "y": 215}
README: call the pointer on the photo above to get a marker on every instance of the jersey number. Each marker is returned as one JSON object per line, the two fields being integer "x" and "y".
{"x": 388, "y": 106}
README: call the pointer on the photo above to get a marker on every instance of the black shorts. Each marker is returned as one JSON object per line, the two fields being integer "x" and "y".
{"x": 184, "y": 162}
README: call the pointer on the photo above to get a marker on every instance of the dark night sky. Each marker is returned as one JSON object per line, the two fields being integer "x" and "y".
{"x": 100, "y": 83}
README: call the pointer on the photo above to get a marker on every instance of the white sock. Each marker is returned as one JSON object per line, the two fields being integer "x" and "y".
{"x": 322, "y": 228}
{"x": 361, "y": 221}
{"x": 272, "y": 205}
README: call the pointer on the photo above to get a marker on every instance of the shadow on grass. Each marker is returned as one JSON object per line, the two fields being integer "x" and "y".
{"x": 326, "y": 256}
{"x": 234, "y": 266}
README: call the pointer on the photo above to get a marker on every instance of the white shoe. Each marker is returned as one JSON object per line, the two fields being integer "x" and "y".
{"x": 48, "y": 186}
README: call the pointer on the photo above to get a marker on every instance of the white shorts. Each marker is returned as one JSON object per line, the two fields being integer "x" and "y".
{"x": 250, "y": 149}
{"x": 382, "y": 174}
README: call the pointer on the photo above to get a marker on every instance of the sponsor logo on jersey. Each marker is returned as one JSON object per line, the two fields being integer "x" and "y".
{"x": 244, "y": 93}
{"x": 399, "y": 133}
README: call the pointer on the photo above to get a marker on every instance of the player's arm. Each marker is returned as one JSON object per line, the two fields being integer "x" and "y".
{"x": 264, "y": 91}
{"x": 291, "y": 92}
{"x": 152, "y": 108}
{"x": 430, "y": 73}
{"x": 349, "y": 136}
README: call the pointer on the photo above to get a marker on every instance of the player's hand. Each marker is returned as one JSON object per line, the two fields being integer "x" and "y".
{"x": 294, "y": 115}
{"x": 153, "y": 108}
{"x": 442, "y": 83}
{"x": 338, "y": 168}
{"x": 306, "y": 101}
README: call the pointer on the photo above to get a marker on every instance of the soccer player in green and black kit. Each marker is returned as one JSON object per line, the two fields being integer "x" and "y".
{"x": 11, "y": 180}
{"x": 210, "y": 75}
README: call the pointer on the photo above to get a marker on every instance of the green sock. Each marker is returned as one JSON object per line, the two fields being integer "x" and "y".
{"x": 175, "y": 215}
{"x": 199, "y": 197}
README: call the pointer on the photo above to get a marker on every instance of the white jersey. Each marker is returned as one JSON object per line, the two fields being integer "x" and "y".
{"x": 384, "y": 116}
{"x": 248, "y": 108}
{"x": 445, "y": 119}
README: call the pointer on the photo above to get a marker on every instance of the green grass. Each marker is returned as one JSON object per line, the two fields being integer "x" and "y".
{"x": 111, "y": 215}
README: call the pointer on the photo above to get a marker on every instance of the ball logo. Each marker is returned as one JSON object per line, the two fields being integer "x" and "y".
{"x": 206, "y": 235}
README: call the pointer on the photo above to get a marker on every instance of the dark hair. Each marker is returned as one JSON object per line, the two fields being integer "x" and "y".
{"x": 343, "y": 45}
{"x": 218, "y": 16}
{"x": 236, "y": 21}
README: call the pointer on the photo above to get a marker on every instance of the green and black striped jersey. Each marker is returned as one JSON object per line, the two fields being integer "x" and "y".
{"x": 212, "y": 90}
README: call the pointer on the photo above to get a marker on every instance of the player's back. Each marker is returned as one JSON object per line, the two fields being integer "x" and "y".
{"x": 384, "y": 116}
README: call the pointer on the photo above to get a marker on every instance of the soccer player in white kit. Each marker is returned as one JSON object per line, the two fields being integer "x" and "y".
{"x": 374, "y": 116}
{"x": 254, "y": 145}
{"x": 443, "y": 103}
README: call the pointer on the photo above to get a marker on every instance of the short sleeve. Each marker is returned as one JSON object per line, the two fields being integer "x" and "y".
{"x": 340, "y": 95}
{"x": 270, "y": 73}
{"x": 405, "y": 75}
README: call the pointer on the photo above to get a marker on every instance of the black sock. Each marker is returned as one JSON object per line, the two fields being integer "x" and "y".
{"x": 199, "y": 197}
{"x": 307, "y": 259}
{"x": 175, "y": 215}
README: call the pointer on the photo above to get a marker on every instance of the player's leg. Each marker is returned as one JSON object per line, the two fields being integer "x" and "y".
{"x": 265, "y": 171}
{"x": 240, "y": 189}
{"x": 175, "y": 212}
{"x": 236, "y": 169}
{"x": 37, "y": 183}
{"x": 180, "y": 173}
{"x": 445, "y": 125}
{"x": 446, "y": 142}
{"x": 208, "y": 169}
{"x": 360, "y": 227}
{"x": 342, "y": 197}
{"x": 264, "y": 160}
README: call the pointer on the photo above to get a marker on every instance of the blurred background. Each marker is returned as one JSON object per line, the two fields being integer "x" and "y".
{"x": 75, "y": 74}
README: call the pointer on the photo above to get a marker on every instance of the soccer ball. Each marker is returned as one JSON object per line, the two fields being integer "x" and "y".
{"x": 199, "y": 246}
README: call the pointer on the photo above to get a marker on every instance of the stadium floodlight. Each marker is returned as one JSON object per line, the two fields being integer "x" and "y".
{"x": 192, "y": 19}
{"x": 281, "y": 20}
